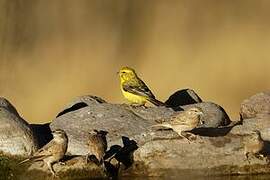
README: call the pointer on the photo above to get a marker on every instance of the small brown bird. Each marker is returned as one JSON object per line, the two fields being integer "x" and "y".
{"x": 97, "y": 144}
{"x": 253, "y": 144}
{"x": 53, "y": 151}
{"x": 183, "y": 121}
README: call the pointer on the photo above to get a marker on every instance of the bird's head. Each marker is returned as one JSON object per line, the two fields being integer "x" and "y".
{"x": 126, "y": 73}
{"x": 59, "y": 133}
{"x": 98, "y": 132}
{"x": 255, "y": 134}
{"x": 195, "y": 113}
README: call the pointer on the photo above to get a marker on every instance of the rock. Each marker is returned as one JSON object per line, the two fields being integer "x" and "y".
{"x": 172, "y": 156}
{"x": 256, "y": 104}
{"x": 214, "y": 115}
{"x": 217, "y": 148}
{"x": 135, "y": 148}
{"x": 7, "y": 105}
{"x": 123, "y": 121}
{"x": 261, "y": 123}
{"x": 118, "y": 120}
{"x": 183, "y": 97}
{"x": 16, "y": 137}
{"x": 81, "y": 102}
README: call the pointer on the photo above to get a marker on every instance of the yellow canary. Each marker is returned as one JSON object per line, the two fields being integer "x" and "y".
{"x": 134, "y": 89}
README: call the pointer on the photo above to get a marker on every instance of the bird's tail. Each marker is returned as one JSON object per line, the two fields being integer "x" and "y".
{"x": 24, "y": 161}
{"x": 162, "y": 125}
{"x": 34, "y": 158}
{"x": 156, "y": 102}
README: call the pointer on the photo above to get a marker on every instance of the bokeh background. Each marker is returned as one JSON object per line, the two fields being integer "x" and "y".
{"x": 52, "y": 51}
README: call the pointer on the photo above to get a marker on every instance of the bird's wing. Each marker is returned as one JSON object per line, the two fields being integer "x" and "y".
{"x": 42, "y": 153}
{"x": 179, "y": 119}
{"x": 162, "y": 125}
{"x": 46, "y": 150}
{"x": 138, "y": 88}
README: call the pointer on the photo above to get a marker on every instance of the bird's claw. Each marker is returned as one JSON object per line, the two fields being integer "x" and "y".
{"x": 189, "y": 136}
{"x": 62, "y": 163}
{"x": 259, "y": 156}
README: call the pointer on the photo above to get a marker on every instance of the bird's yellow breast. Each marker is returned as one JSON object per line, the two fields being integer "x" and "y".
{"x": 134, "y": 99}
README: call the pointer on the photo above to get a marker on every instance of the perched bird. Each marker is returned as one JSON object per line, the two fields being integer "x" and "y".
{"x": 53, "y": 151}
{"x": 134, "y": 89}
{"x": 253, "y": 144}
{"x": 183, "y": 122}
{"x": 97, "y": 144}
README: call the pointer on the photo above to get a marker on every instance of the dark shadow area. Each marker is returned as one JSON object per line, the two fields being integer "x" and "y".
{"x": 183, "y": 97}
{"x": 69, "y": 157}
{"x": 112, "y": 170}
{"x": 42, "y": 132}
{"x": 112, "y": 151}
{"x": 123, "y": 156}
{"x": 215, "y": 132}
{"x": 177, "y": 108}
{"x": 226, "y": 119}
{"x": 72, "y": 108}
{"x": 266, "y": 150}
{"x": 94, "y": 159}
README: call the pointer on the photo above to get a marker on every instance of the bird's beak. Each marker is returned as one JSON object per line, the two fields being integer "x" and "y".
{"x": 201, "y": 122}
{"x": 117, "y": 72}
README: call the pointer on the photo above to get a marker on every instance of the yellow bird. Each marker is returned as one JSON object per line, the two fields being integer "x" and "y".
{"x": 134, "y": 89}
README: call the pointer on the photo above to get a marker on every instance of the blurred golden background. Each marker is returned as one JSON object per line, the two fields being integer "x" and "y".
{"x": 52, "y": 51}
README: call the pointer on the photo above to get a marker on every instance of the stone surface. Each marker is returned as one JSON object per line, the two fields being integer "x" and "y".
{"x": 4, "y": 103}
{"x": 261, "y": 123}
{"x": 208, "y": 155}
{"x": 123, "y": 121}
{"x": 16, "y": 135}
{"x": 118, "y": 120}
{"x": 80, "y": 102}
{"x": 135, "y": 148}
{"x": 256, "y": 104}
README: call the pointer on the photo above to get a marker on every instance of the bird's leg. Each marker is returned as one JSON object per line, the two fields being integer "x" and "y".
{"x": 111, "y": 158}
{"x": 184, "y": 135}
{"x": 259, "y": 156}
{"x": 247, "y": 157}
{"x": 62, "y": 163}
{"x": 103, "y": 165}
{"x": 143, "y": 106}
{"x": 43, "y": 164}
{"x": 134, "y": 105}
{"x": 49, "y": 164}
{"x": 189, "y": 136}
{"x": 86, "y": 158}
